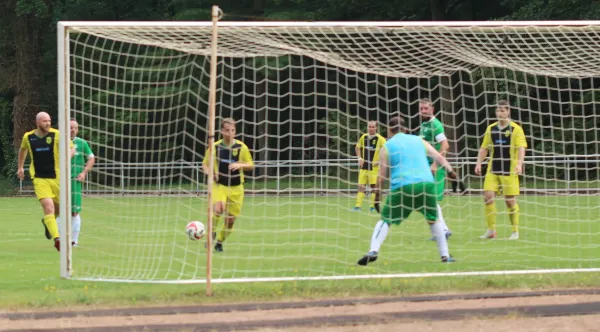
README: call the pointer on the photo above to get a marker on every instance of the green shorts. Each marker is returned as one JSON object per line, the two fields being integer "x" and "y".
{"x": 76, "y": 196}
{"x": 401, "y": 202}
{"x": 440, "y": 183}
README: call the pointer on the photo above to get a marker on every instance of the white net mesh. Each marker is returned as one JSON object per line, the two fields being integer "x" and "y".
{"x": 302, "y": 96}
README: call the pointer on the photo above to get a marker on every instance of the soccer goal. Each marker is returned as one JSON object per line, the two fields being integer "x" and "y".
{"x": 301, "y": 94}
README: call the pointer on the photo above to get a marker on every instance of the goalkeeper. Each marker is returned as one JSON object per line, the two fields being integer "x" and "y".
{"x": 231, "y": 158}
{"x": 412, "y": 187}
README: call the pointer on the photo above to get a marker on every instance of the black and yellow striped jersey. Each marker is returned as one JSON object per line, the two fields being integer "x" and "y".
{"x": 226, "y": 155}
{"x": 503, "y": 145}
{"x": 43, "y": 152}
{"x": 370, "y": 146}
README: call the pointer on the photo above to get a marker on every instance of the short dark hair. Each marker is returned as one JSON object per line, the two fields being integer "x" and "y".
{"x": 503, "y": 103}
{"x": 396, "y": 124}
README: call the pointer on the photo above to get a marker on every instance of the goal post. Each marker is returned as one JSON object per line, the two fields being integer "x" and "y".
{"x": 64, "y": 148}
{"x": 149, "y": 97}
{"x": 212, "y": 90}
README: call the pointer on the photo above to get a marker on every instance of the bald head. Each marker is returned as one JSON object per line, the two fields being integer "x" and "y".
{"x": 43, "y": 122}
{"x": 42, "y": 116}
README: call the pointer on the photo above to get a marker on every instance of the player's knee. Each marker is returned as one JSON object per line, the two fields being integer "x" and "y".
{"x": 361, "y": 188}
{"x": 48, "y": 206}
{"x": 511, "y": 201}
{"x": 229, "y": 221}
{"x": 219, "y": 208}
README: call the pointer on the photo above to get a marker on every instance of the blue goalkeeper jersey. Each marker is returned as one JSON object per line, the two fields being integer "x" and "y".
{"x": 407, "y": 160}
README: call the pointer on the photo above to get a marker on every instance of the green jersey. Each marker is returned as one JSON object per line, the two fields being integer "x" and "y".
{"x": 82, "y": 154}
{"x": 432, "y": 131}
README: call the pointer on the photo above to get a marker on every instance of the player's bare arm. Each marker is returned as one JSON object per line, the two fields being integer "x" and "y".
{"x": 88, "y": 166}
{"x": 520, "y": 159}
{"x": 381, "y": 176}
{"x": 21, "y": 163}
{"x": 444, "y": 147}
{"x": 383, "y": 169}
{"x": 359, "y": 155}
{"x": 205, "y": 168}
{"x": 439, "y": 159}
{"x": 483, "y": 152}
{"x": 207, "y": 172}
{"x": 241, "y": 166}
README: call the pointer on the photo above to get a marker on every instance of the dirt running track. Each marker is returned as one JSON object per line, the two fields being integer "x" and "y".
{"x": 572, "y": 310}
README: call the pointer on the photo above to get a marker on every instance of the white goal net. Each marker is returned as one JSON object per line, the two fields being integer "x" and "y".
{"x": 302, "y": 94}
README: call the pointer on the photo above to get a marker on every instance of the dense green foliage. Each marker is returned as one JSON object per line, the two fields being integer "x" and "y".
{"x": 28, "y": 72}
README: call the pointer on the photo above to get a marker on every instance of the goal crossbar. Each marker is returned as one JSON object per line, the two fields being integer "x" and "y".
{"x": 390, "y": 24}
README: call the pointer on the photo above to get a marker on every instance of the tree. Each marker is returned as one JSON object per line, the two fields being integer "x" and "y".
{"x": 25, "y": 24}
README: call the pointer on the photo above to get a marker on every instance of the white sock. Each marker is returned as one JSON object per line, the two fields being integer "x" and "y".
{"x": 440, "y": 238}
{"x": 75, "y": 228}
{"x": 379, "y": 234}
{"x": 440, "y": 218}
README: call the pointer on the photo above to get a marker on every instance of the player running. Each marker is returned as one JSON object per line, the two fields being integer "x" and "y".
{"x": 42, "y": 146}
{"x": 231, "y": 157}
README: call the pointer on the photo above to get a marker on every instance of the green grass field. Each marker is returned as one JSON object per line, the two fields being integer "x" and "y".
{"x": 142, "y": 238}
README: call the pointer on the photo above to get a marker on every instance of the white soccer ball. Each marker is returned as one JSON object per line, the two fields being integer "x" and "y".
{"x": 195, "y": 230}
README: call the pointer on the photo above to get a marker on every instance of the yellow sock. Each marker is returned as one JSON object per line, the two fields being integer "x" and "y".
{"x": 51, "y": 225}
{"x": 359, "y": 199}
{"x": 513, "y": 214}
{"x": 216, "y": 222}
{"x": 372, "y": 199}
{"x": 224, "y": 233}
{"x": 490, "y": 215}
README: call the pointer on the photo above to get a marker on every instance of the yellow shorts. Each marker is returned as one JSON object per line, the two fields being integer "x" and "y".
{"x": 367, "y": 177}
{"x": 508, "y": 185}
{"x": 233, "y": 197}
{"x": 46, "y": 188}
